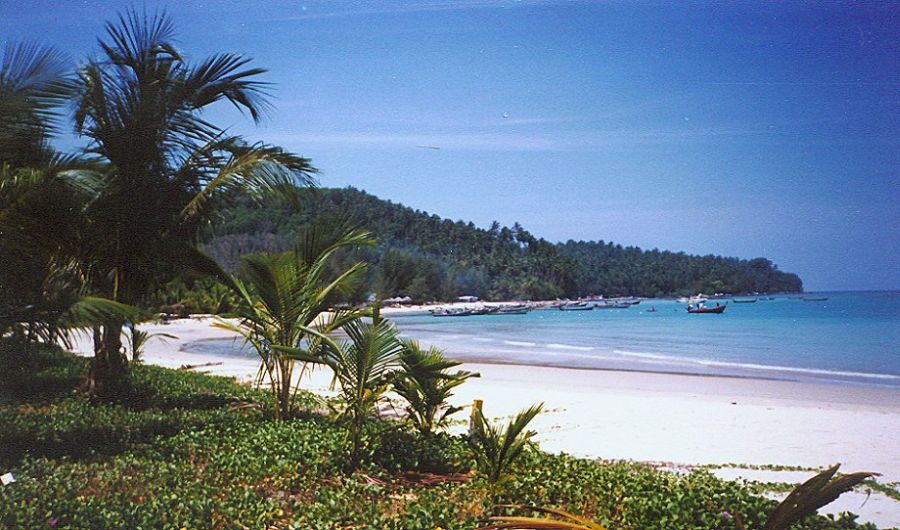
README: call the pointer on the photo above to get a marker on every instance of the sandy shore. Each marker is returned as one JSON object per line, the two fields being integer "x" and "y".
{"x": 676, "y": 419}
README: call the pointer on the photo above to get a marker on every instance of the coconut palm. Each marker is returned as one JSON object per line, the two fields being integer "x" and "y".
{"x": 427, "y": 384}
{"x": 41, "y": 283}
{"x": 364, "y": 368}
{"x": 138, "y": 339}
{"x": 167, "y": 167}
{"x": 496, "y": 449}
{"x": 41, "y": 200}
{"x": 282, "y": 303}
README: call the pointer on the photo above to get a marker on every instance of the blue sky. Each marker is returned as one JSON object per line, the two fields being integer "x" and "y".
{"x": 741, "y": 128}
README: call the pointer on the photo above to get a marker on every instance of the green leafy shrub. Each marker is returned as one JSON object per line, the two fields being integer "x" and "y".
{"x": 404, "y": 450}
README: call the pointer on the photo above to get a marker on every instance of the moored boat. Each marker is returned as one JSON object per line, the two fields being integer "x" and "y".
{"x": 611, "y": 305}
{"x": 703, "y": 309}
{"x": 576, "y": 306}
{"x": 744, "y": 300}
{"x": 452, "y": 312}
{"x": 518, "y": 309}
{"x": 815, "y": 298}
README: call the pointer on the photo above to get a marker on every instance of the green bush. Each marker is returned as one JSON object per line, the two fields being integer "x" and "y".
{"x": 406, "y": 450}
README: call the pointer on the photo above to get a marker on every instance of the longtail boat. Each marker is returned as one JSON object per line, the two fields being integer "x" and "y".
{"x": 717, "y": 309}
{"x": 576, "y": 306}
{"x": 744, "y": 300}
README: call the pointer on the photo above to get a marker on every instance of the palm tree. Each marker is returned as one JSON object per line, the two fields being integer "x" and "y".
{"x": 426, "y": 385}
{"x": 167, "y": 167}
{"x": 43, "y": 197}
{"x": 138, "y": 339}
{"x": 364, "y": 368}
{"x": 283, "y": 299}
{"x": 496, "y": 449}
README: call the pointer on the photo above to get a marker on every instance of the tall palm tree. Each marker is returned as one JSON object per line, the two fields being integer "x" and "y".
{"x": 283, "y": 299}
{"x": 43, "y": 196}
{"x": 168, "y": 168}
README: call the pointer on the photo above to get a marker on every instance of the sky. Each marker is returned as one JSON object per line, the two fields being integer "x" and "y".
{"x": 734, "y": 128}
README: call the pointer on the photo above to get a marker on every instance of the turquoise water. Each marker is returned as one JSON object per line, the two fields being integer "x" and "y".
{"x": 852, "y": 338}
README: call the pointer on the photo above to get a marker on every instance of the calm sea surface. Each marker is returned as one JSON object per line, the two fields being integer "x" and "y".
{"x": 852, "y": 338}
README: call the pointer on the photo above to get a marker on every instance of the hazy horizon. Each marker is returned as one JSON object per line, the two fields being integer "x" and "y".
{"x": 741, "y": 130}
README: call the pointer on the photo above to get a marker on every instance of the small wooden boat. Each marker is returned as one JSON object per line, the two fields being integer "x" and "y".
{"x": 451, "y": 313}
{"x": 815, "y": 298}
{"x": 518, "y": 309}
{"x": 744, "y": 300}
{"x": 704, "y": 309}
{"x": 512, "y": 312}
{"x": 576, "y": 306}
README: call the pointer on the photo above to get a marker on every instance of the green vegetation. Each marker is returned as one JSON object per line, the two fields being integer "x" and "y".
{"x": 365, "y": 366}
{"x": 281, "y": 304}
{"x": 553, "y": 520}
{"x": 802, "y": 502}
{"x": 159, "y": 171}
{"x": 426, "y": 385}
{"x": 187, "y": 450}
{"x": 496, "y": 450}
{"x": 429, "y": 258}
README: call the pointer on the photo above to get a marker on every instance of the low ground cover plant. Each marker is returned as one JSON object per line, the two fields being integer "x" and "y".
{"x": 188, "y": 450}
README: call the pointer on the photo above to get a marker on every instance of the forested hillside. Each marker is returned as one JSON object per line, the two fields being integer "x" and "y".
{"x": 430, "y": 258}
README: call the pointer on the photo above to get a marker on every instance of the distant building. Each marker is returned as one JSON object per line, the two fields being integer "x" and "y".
{"x": 397, "y": 300}
{"x": 468, "y": 299}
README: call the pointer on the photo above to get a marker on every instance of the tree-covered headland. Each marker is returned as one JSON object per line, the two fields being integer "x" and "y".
{"x": 427, "y": 257}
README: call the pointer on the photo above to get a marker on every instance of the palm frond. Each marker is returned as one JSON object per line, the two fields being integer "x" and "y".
{"x": 497, "y": 450}
{"x": 32, "y": 89}
{"x": 556, "y": 520}
{"x": 813, "y": 494}
{"x": 90, "y": 311}
{"x": 258, "y": 170}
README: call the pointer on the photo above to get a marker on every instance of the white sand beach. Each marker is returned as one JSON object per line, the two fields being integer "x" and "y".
{"x": 673, "y": 420}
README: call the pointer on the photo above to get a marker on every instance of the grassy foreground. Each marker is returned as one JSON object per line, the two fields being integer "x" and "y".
{"x": 187, "y": 450}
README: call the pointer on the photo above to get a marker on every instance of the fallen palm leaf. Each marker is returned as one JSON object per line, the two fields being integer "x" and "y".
{"x": 563, "y": 520}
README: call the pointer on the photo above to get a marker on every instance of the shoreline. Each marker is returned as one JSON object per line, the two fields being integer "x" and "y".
{"x": 501, "y": 348}
{"x": 496, "y": 361}
{"x": 650, "y": 417}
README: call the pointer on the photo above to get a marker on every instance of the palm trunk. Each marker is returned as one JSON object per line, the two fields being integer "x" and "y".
{"x": 285, "y": 398}
{"x": 108, "y": 375}
{"x": 356, "y": 428}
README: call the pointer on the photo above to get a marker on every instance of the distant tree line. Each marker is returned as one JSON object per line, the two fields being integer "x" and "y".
{"x": 427, "y": 257}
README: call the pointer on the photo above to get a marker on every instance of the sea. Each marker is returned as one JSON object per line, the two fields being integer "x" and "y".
{"x": 852, "y": 338}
